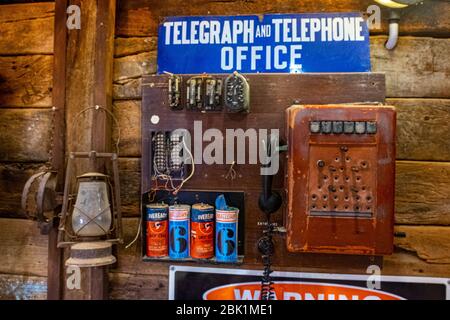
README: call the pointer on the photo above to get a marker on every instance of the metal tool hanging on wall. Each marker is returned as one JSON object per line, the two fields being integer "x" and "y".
{"x": 39, "y": 196}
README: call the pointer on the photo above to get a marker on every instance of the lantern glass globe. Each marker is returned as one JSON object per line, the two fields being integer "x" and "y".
{"x": 91, "y": 215}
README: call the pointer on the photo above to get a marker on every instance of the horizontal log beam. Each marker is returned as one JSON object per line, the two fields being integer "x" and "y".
{"x": 26, "y": 81}
{"x": 125, "y": 286}
{"x": 25, "y": 134}
{"x": 430, "y": 243}
{"x": 142, "y": 17}
{"x": 23, "y": 250}
{"x": 128, "y": 114}
{"x": 131, "y": 46}
{"x": 26, "y": 28}
{"x": 122, "y": 287}
{"x": 128, "y": 72}
{"x": 19, "y": 287}
{"x": 422, "y": 193}
{"x": 422, "y": 129}
{"x": 417, "y": 67}
{"x": 404, "y": 263}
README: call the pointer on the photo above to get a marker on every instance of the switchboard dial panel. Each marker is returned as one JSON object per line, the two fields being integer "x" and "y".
{"x": 342, "y": 179}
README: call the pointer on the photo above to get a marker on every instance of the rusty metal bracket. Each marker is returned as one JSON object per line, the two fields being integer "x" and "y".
{"x": 39, "y": 198}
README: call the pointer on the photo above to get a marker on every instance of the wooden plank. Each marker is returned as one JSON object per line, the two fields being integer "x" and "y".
{"x": 19, "y": 287}
{"x": 59, "y": 90}
{"x": 134, "y": 66}
{"x": 141, "y": 17}
{"x": 430, "y": 243}
{"x": 137, "y": 287}
{"x": 80, "y": 57}
{"x": 403, "y": 263}
{"x": 12, "y": 180}
{"x": 422, "y": 129}
{"x": 128, "y": 88}
{"x": 55, "y": 254}
{"x": 123, "y": 287}
{"x": 130, "y": 177}
{"x": 23, "y": 250}
{"x": 128, "y": 114}
{"x": 422, "y": 193}
{"x": 89, "y": 74}
{"x": 103, "y": 74}
{"x": 131, "y": 46}
{"x": 128, "y": 71}
{"x": 26, "y": 29}
{"x": 26, "y": 81}
{"x": 25, "y": 134}
{"x": 418, "y": 67}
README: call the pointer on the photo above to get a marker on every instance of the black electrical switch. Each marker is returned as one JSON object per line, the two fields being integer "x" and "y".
{"x": 360, "y": 127}
{"x": 338, "y": 126}
{"x": 325, "y": 126}
{"x": 371, "y": 127}
{"x": 314, "y": 127}
{"x": 349, "y": 127}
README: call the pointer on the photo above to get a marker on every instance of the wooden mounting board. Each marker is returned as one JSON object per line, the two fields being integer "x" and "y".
{"x": 270, "y": 96}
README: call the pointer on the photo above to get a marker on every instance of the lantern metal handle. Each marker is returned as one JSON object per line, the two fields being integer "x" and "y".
{"x": 108, "y": 112}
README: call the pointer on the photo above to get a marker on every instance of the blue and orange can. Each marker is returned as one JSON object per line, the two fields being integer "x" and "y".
{"x": 157, "y": 230}
{"x": 226, "y": 235}
{"x": 202, "y": 231}
{"x": 179, "y": 216}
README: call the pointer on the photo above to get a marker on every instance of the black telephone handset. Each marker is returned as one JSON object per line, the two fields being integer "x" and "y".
{"x": 269, "y": 202}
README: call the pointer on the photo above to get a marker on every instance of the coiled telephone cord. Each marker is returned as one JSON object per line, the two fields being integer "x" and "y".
{"x": 266, "y": 248}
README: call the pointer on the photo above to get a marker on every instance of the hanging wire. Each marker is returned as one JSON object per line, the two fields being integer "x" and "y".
{"x": 137, "y": 234}
{"x": 173, "y": 189}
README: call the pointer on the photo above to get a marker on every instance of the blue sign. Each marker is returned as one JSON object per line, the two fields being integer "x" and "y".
{"x": 275, "y": 43}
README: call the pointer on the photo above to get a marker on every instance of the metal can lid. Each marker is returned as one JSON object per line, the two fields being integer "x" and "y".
{"x": 157, "y": 205}
{"x": 180, "y": 207}
{"x": 202, "y": 206}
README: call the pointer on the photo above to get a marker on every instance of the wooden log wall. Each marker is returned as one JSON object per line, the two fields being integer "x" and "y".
{"x": 418, "y": 84}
